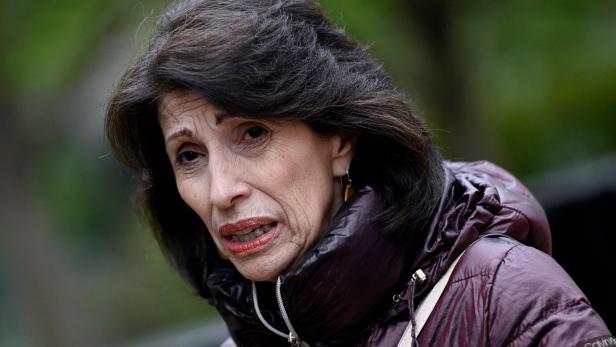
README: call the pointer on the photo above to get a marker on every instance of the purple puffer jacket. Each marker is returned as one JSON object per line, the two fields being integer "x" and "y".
{"x": 354, "y": 288}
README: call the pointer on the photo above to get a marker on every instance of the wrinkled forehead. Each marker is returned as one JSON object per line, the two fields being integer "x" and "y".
{"x": 177, "y": 103}
{"x": 174, "y": 106}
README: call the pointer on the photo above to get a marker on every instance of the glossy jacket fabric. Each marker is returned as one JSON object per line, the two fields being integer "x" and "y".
{"x": 354, "y": 287}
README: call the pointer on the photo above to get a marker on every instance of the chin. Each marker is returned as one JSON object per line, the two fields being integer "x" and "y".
{"x": 262, "y": 269}
{"x": 258, "y": 275}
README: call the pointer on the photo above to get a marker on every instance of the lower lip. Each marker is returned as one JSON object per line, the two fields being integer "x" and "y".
{"x": 252, "y": 246}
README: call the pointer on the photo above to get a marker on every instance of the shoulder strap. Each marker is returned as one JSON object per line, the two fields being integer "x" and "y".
{"x": 427, "y": 305}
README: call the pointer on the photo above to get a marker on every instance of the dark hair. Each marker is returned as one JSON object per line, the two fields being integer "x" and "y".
{"x": 270, "y": 59}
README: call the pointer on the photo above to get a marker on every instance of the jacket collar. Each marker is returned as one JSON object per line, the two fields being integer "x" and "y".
{"x": 342, "y": 283}
{"x": 348, "y": 277}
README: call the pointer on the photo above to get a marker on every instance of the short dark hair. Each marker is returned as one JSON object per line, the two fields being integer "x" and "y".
{"x": 270, "y": 59}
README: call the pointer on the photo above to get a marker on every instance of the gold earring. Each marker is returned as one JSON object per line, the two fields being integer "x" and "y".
{"x": 348, "y": 188}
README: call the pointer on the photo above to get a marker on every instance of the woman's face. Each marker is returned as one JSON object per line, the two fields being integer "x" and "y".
{"x": 264, "y": 189}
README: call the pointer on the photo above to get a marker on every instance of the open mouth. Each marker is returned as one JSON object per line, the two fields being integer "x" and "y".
{"x": 249, "y": 236}
{"x": 252, "y": 234}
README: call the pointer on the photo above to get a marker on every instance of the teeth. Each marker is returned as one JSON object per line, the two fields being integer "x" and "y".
{"x": 251, "y": 235}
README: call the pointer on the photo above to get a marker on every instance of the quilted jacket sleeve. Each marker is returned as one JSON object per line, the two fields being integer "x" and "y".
{"x": 550, "y": 309}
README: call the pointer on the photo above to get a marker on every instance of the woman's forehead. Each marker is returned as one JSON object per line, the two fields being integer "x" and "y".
{"x": 176, "y": 103}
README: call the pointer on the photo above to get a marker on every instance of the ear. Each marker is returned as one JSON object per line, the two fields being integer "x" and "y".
{"x": 343, "y": 148}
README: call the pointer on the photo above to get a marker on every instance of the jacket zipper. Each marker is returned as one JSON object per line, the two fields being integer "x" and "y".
{"x": 292, "y": 337}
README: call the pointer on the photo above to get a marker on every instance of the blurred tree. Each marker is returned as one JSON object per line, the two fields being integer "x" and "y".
{"x": 445, "y": 80}
{"x": 529, "y": 85}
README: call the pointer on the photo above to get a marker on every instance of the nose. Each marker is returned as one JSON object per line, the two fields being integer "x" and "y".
{"x": 226, "y": 184}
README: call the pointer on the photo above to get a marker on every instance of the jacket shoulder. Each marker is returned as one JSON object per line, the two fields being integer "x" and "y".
{"x": 535, "y": 301}
{"x": 503, "y": 293}
{"x": 463, "y": 307}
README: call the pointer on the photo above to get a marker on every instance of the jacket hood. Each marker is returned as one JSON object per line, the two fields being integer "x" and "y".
{"x": 347, "y": 280}
{"x": 480, "y": 198}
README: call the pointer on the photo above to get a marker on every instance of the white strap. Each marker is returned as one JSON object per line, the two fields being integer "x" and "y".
{"x": 426, "y": 306}
{"x": 228, "y": 343}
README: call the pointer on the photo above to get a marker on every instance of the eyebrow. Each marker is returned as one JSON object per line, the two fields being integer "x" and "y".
{"x": 180, "y": 133}
{"x": 219, "y": 116}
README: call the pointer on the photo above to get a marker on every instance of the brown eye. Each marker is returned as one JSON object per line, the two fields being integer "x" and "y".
{"x": 186, "y": 157}
{"x": 255, "y": 132}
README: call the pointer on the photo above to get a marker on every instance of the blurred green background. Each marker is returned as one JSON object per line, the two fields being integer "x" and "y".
{"x": 529, "y": 85}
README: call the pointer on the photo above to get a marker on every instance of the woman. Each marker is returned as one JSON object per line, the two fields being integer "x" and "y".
{"x": 252, "y": 123}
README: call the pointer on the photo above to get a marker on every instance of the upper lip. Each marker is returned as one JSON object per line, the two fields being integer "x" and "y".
{"x": 244, "y": 225}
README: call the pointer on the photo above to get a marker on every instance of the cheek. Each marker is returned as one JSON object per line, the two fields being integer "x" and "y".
{"x": 194, "y": 196}
{"x": 304, "y": 193}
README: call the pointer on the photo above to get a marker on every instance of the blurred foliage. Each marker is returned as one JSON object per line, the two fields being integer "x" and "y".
{"x": 539, "y": 79}
{"x": 44, "y": 41}
{"x": 136, "y": 292}
{"x": 541, "y": 75}
{"x": 82, "y": 200}
{"x": 545, "y": 79}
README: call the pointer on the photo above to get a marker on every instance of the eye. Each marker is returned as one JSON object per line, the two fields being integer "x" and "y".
{"x": 185, "y": 157}
{"x": 255, "y": 132}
